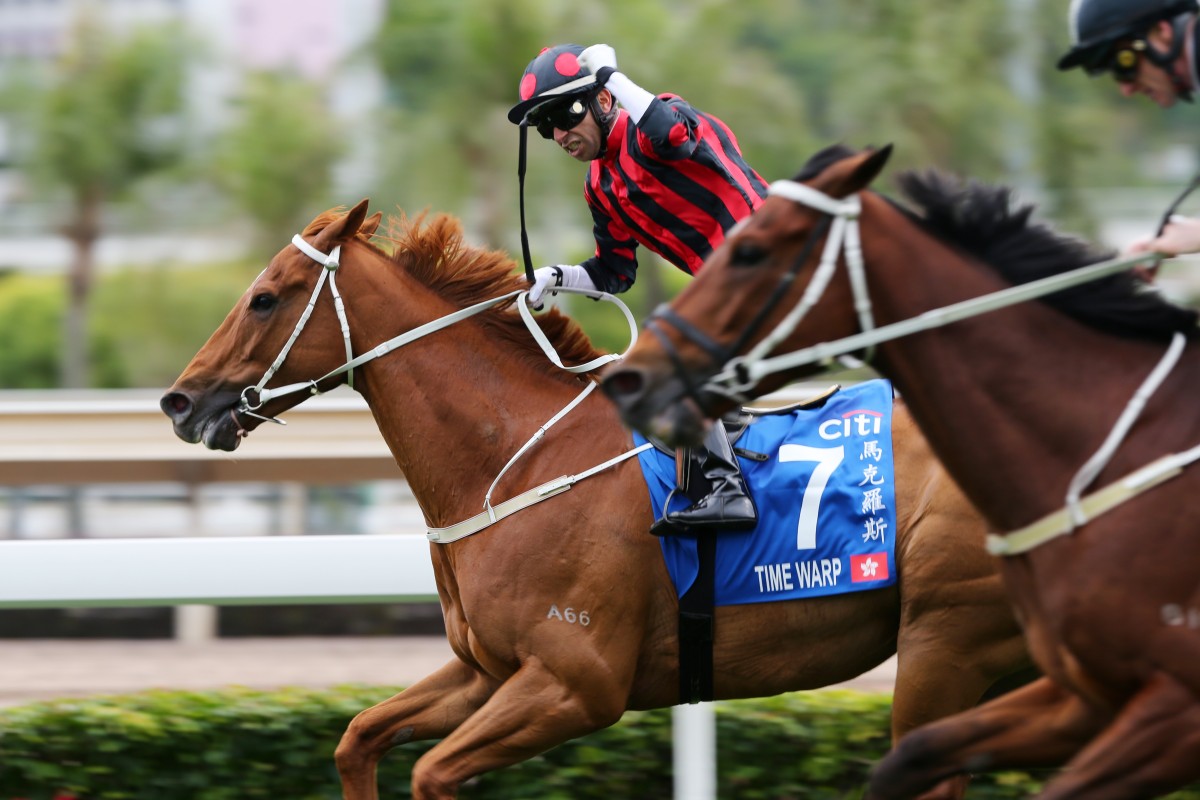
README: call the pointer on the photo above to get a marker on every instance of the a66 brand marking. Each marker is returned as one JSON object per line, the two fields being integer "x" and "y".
{"x": 569, "y": 615}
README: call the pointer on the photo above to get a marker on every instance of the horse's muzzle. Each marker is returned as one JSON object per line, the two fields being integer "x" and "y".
{"x": 655, "y": 408}
{"x": 208, "y": 418}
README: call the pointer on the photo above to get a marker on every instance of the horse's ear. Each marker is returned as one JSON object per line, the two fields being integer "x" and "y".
{"x": 856, "y": 173}
{"x": 342, "y": 228}
{"x": 870, "y": 167}
{"x": 371, "y": 225}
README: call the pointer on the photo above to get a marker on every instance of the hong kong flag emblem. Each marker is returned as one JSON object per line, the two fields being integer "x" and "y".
{"x": 869, "y": 567}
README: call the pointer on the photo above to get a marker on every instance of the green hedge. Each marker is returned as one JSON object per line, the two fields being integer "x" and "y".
{"x": 244, "y": 744}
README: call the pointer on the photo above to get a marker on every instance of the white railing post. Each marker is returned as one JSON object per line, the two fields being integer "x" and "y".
{"x": 694, "y": 729}
{"x": 195, "y": 624}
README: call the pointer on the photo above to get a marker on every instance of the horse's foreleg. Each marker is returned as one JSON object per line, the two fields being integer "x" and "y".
{"x": 1037, "y": 725}
{"x": 935, "y": 680}
{"x": 429, "y": 709}
{"x": 530, "y": 713}
{"x": 1152, "y": 748}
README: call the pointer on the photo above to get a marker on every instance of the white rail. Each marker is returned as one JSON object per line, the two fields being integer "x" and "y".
{"x": 250, "y": 570}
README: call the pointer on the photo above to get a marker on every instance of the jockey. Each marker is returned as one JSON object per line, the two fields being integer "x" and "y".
{"x": 1149, "y": 46}
{"x": 661, "y": 174}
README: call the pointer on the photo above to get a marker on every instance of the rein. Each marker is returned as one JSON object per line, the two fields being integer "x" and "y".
{"x": 742, "y": 373}
{"x": 491, "y": 514}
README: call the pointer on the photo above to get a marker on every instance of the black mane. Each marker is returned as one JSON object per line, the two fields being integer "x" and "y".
{"x": 985, "y": 222}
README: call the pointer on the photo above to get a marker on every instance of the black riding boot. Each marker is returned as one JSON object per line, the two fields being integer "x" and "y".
{"x": 729, "y": 505}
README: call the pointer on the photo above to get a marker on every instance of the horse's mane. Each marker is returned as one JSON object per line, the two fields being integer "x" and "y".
{"x": 434, "y": 252}
{"x": 985, "y": 222}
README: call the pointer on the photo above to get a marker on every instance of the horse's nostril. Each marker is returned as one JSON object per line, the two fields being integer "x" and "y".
{"x": 623, "y": 383}
{"x": 175, "y": 404}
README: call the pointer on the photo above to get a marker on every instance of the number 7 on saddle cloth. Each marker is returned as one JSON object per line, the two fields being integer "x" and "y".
{"x": 826, "y": 504}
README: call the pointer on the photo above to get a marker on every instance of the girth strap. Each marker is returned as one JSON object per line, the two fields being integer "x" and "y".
{"x": 697, "y": 627}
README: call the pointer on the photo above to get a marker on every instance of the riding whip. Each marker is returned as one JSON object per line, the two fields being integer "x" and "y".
{"x": 1166, "y": 217}
{"x": 524, "y": 127}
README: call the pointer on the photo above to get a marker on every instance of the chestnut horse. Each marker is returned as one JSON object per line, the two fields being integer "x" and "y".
{"x": 453, "y": 407}
{"x": 1014, "y": 402}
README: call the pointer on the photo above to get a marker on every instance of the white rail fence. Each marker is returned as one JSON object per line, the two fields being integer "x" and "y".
{"x": 244, "y": 570}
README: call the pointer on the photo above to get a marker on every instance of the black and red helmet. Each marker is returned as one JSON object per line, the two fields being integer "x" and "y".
{"x": 555, "y": 73}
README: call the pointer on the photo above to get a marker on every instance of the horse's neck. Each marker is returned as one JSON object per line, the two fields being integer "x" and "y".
{"x": 455, "y": 407}
{"x": 1013, "y": 401}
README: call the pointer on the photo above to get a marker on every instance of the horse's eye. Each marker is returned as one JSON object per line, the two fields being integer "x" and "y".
{"x": 747, "y": 254}
{"x": 262, "y": 302}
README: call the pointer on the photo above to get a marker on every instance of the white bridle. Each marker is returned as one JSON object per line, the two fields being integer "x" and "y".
{"x": 742, "y": 373}
{"x": 331, "y": 263}
{"x": 491, "y": 514}
{"x": 843, "y": 235}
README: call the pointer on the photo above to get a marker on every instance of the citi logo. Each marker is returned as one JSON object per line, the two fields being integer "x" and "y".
{"x": 853, "y": 423}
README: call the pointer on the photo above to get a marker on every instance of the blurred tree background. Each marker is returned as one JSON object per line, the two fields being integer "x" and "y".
{"x": 104, "y": 117}
{"x": 103, "y": 139}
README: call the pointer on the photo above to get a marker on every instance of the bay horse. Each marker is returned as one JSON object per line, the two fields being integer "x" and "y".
{"x": 453, "y": 407}
{"x": 1014, "y": 402}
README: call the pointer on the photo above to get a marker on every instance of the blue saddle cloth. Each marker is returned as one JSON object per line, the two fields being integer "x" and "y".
{"x": 825, "y": 498}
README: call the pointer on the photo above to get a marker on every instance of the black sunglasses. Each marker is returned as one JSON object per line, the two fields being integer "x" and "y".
{"x": 563, "y": 115}
{"x": 1124, "y": 62}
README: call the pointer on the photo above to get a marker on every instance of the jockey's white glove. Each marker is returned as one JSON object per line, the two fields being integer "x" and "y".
{"x": 547, "y": 279}
{"x": 599, "y": 57}
{"x": 601, "y": 61}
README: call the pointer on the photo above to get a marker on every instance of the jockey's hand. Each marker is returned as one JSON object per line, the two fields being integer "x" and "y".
{"x": 543, "y": 278}
{"x": 1180, "y": 235}
{"x": 599, "y": 57}
{"x": 547, "y": 279}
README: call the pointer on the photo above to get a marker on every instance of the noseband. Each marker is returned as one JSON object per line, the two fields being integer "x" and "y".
{"x": 840, "y": 220}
